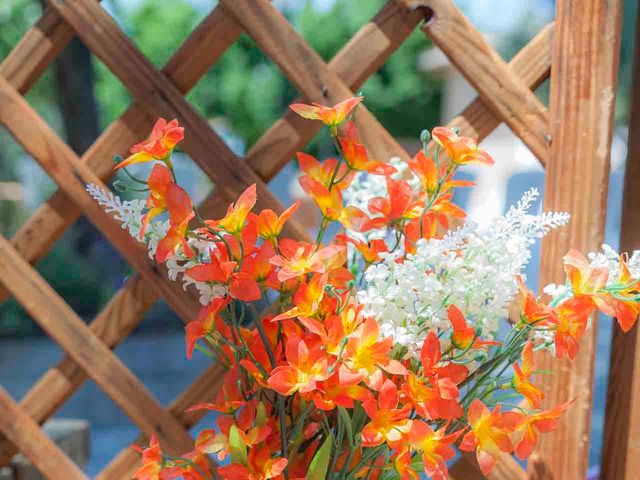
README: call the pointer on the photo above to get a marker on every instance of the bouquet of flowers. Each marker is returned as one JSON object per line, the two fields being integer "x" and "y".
{"x": 380, "y": 353}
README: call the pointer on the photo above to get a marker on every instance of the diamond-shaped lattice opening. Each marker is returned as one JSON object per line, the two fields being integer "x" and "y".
{"x": 157, "y": 32}
{"x": 242, "y": 94}
{"x": 84, "y": 269}
{"x": 24, "y": 185}
{"x": 110, "y": 430}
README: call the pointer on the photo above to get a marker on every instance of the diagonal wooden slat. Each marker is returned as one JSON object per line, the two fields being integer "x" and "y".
{"x": 202, "y": 390}
{"x": 502, "y": 91}
{"x": 306, "y": 70}
{"x": 68, "y": 330}
{"x": 45, "y": 455}
{"x": 621, "y": 444}
{"x": 59, "y": 161}
{"x": 190, "y": 62}
{"x": 386, "y": 31}
{"x": 160, "y": 97}
{"x": 583, "y": 93}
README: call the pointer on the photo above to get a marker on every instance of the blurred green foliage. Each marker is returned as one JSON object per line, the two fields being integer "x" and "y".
{"x": 244, "y": 89}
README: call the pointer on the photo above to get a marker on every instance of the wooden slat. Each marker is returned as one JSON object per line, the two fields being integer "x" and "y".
{"x": 200, "y": 391}
{"x": 112, "y": 325}
{"x": 68, "y": 330}
{"x": 502, "y": 91}
{"x": 466, "y": 468}
{"x": 37, "y": 48}
{"x": 160, "y": 97}
{"x": 583, "y": 91}
{"x": 43, "y": 453}
{"x": 190, "y": 62}
{"x": 306, "y": 70}
{"x": 621, "y": 445}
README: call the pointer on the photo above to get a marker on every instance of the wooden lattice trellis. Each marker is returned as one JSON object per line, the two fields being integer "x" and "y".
{"x": 572, "y": 140}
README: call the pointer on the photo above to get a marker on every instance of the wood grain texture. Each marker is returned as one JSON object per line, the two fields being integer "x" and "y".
{"x": 66, "y": 169}
{"x": 502, "y": 91}
{"x": 466, "y": 468}
{"x": 583, "y": 91}
{"x": 157, "y": 94}
{"x": 306, "y": 70}
{"x": 621, "y": 445}
{"x": 43, "y": 453}
{"x": 191, "y": 61}
{"x": 202, "y": 390}
{"x": 62, "y": 324}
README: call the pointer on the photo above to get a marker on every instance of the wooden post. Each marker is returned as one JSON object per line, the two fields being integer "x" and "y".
{"x": 583, "y": 90}
{"x": 621, "y": 448}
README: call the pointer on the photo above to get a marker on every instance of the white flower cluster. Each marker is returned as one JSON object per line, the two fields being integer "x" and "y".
{"x": 130, "y": 213}
{"x": 471, "y": 268}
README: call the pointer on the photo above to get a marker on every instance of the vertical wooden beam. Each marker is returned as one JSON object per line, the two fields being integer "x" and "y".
{"x": 583, "y": 90}
{"x": 621, "y": 446}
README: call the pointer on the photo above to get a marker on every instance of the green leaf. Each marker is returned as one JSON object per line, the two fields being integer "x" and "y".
{"x": 261, "y": 414}
{"x": 237, "y": 446}
{"x": 346, "y": 420}
{"x": 320, "y": 463}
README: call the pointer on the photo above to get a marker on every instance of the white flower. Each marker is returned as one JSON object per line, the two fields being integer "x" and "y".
{"x": 471, "y": 268}
{"x": 130, "y": 213}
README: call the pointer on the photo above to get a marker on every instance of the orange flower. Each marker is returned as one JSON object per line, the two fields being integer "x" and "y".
{"x": 196, "y": 466}
{"x": 621, "y": 302}
{"x": 208, "y": 321}
{"x": 522, "y": 378}
{"x": 463, "y": 336}
{"x": 331, "y": 205}
{"x": 355, "y": 154}
{"x": 241, "y": 285}
{"x": 427, "y": 172}
{"x": 299, "y": 258}
{"x": 306, "y": 299}
{"x": 260, "y": 466}
{"x": 323, "y": 172}
{"x": 570, "y": 324}
{"x": 233, "y": 221}
{"x": 489, "y": 435}
{"x": 435, "y": 448}
{"x": 584, "y": 279}
{"x": 435, "y": 394}
{"x": 228, "y": 399}
{"x": 461, "y": 150}
{"x": 270, "y": 224}
{"x": 337, "y": 391}
{"x": 303, "y": 370}
{"x": 163, "y": 139}
{"x": 364, "y": 355}
{"x": 370, "y": 250}
{"x": 532, "y": 311}
{"x": 153, "y": 464}
{"x": 330, "y": 116}
{"x": 532, "y": 425}
{"x": 388, "y": 423}
{"x": 180, "y": 214}
{"x": 398, "y": 205}
{"x": 158, "y": 183}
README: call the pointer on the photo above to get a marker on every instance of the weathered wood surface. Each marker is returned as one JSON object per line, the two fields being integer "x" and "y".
{"x": 583, "y": 91}
{"x": 36, "y": 446}
{"x": 621, "y": 445}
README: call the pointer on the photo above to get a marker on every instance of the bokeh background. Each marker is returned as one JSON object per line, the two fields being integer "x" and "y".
{"x": 242, "y": 96}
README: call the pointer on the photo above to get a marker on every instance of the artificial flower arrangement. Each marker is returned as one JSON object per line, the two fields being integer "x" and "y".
{"x": 377, "y": 355}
